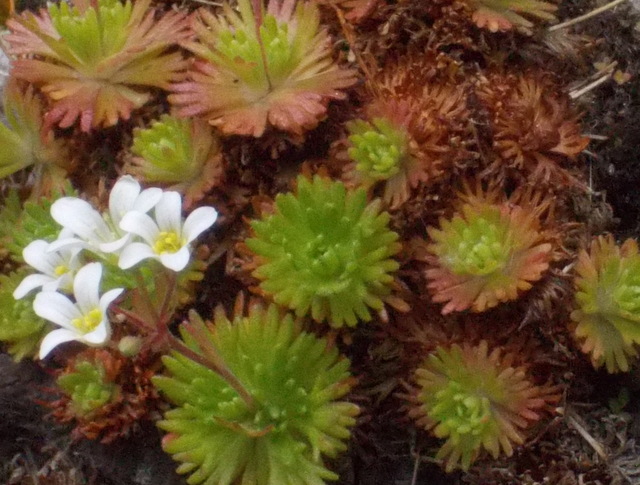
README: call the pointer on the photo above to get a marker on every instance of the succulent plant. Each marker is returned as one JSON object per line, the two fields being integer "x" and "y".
{"x": 296, "y": 418}
{"x": 382, "y": 151}
{"x": 488, "y": 252}
{"x": 23, "y": 142}
{"x": 259, "y": 69}
{"x": 96, "y": 60}
{"x": 183, "y": 154}
{"x": 498, "y": 15}
{"x": 325, "y": 252}
{"x": 20, "y": 327}
{"x": 405, "y": 139}
{"x": 107, "y": 395}
{"x": 378, "y": 148}
{"x": 535, "y": 130}
{"x": 607, "y": 316}
{"x": 87, "y": 387}
{"x": 478, "y": 400}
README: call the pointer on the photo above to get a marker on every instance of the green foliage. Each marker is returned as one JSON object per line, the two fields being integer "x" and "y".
{"x": 23, "y": 142}
{"x": 296, "y": 380}
{"x": 608, "y": 308}
{"x": 22, "y": 223}
{"x": 243, "y": 43}
{"x": 96, "y": 60}
{"x": 326, "y": 252}
{"x": 476, "y": 399}
{"x": 488, "y": 252}
{"x": 182, "y": 153}
{"x": 87, "y": 387}
{"x": 271, "y": 67}
{"x": 167, "y": 148}
{"x": 378, "y": 148}
{"x": 480, "y": 244}
{"x": 20, "y": 327}
{"x": 114, "y": 277}
{"x": 91, "y": 34}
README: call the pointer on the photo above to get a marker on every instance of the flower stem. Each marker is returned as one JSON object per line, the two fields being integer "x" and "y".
{"x": 172, "y": 283}
{"x": 144, "y": 293}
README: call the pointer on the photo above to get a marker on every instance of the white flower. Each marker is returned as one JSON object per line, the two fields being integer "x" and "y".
{"x": 166, "y": 239}
{"x": 91, "y": 228}
{"x": 56, "y": 267}
{"x": 86, "y": 319}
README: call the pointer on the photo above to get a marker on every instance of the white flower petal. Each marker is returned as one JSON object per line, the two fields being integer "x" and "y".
{"x": 81, "y": 218}
{"x": 30, "y": 283}
{"x": 98, "y": 336}
{"x": 133, "y": 254}
{"x": 108, "y": 297}
{"x": 86, "y": 287}
{"x": 169, "y": 212}
{"x": 176, "y": 261}
{"x": 64, "y": 282}
{"x": 55, "y": 338}
{"x": 56, "y": 308}
{"x": 65, "y": 233}
{"x": 115, "y": 246}
{"x": 67, "y": 244}
{"x": 147, "y": 200}
{"x": 72, "y": 256}
{"x": 198, "y": 221}
{"x": 122, "y": 198}
{"x": 36, "y": 256}
{"x": 141, "y": 225}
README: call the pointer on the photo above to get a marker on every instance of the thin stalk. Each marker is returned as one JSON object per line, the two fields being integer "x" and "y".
{"x": 168, "y": 296}
{"x": 586, "y": 16}
{"x": 218, "y": 366}
{"x": 142, "y": 288}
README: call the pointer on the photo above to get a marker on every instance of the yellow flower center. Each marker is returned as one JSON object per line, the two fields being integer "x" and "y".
{"x": 61, "y": 269}
{"x": 168, "y": 242}
{"x": 89, "y": 321}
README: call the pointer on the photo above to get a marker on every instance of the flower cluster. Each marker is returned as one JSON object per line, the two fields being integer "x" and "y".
{"x": 608, "y": 308}
{"x": 125, "y": 235}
